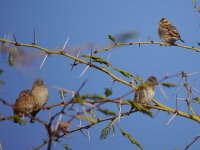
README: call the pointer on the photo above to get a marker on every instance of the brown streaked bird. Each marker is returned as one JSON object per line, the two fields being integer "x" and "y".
{"x": 40, "y": 94}
{"x": 146, "y": 91}
{"x": 167, "y": 32}
{"x": 24, "y": 104}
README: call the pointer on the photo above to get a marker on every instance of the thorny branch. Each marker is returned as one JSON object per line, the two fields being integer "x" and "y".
{"x": 91, "y": 103}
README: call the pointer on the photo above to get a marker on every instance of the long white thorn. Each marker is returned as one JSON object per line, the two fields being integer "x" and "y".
{"x": 84, "y": 71}
{"x": 163, "y": 92}
{"x": 78, "y": 53}
{"x": 171, "y": 119}
{"x": 193, "y": 73}
{"x": 66, "y": 42}
{"x": 88, "y": 134}
{"x": 59, "y": 120}
{"x": 109, "y": 54}
{"x": 120, "y": 108}
{"x": 43, "y": 61}
{"x": 63, "y": 89}
{"x": 182, "y": 99}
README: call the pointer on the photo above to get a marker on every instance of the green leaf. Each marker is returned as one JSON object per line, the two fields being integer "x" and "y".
{"x": 90, "y": 119}
{"x": 138, "y": 79}
{"x": 140, "y": 108}
{"x": 93, "y": 114}
{"x": 113, "y": 129}
{"x": 93, "y": 97}
{"x": 131, "y": 139}
{"x": 78, "y": 98}
{"x": 11, "y": 58}
{"x": 98, "y": 59}
{"x": 124, "y": 73}
{"x": 108, "y": 92}
{"x": 1, "y": 82}
{"x": 19, "y": 120}
{"x": 105, "y": 132}
{"x": 107, "y": 112}
{"x": 168, "y": 84}
{"x": 197, "y": 100}
{"x": 66, "y": 146}
{"x": 112, "y": 38}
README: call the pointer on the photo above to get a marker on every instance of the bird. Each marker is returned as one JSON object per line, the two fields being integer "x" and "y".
{"x": 40, "y": 95}
{"x": 168, "y": 33}
{"x": 144, "y": 94}
{"x": 24, "y": 104}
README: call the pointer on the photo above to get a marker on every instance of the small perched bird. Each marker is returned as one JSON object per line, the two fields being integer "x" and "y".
{"x": 167, "y": 32}
{"x": 24, "y": 104}
{"x": 40, "y": 94}
{"x": 145, "y": 92}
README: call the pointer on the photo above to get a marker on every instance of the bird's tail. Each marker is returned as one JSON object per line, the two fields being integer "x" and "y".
{"x": 182, "y": 41}
{"x": 32, "y": 119}
{"x": 34, "y": 113}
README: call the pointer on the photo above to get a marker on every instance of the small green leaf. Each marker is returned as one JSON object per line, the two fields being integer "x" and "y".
{"x": 66, "y": 146}
{"x": 1, "y": 82}
{"x": 94, "y": 97}
{"x": 78, "y": 98}
{"x": 112, "y": 38}
{"x": 113, "y": 129}
{"x": 124, "y": 73}
{"x": 105, "y": 132}
{"x": 169, "y": 85}
{"x": 108, "y": 92}
{"x": 131, "y": 139}
{"x": 138, "y": 79}
{"x": 93, "y": 114}
{"x": 107, "y": 112}
{"x": 19, "y": 120}
{"x": 11, "y": 58}
{"x": 98, "y": 60}
{"x": 90, "y": 119}
{"x": 197, "y": 100}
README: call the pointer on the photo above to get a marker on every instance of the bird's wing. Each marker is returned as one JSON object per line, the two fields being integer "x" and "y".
{"x": 173, "y": 31}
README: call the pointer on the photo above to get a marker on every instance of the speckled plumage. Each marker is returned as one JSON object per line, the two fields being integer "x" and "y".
{"x": 40, "y": 94}
{"x": 24, "y": 104}
{"x": 145, "y": 92}
{"x": 167, "y": 32}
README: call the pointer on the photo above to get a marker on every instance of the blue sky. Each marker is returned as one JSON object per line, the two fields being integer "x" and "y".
{"x": 89, "y": 22}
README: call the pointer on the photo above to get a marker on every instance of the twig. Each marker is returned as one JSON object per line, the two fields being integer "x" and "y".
{"x": 197, "y": 7}
{"x": 195, "y": 139}
{"x": 34, "y": 38}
